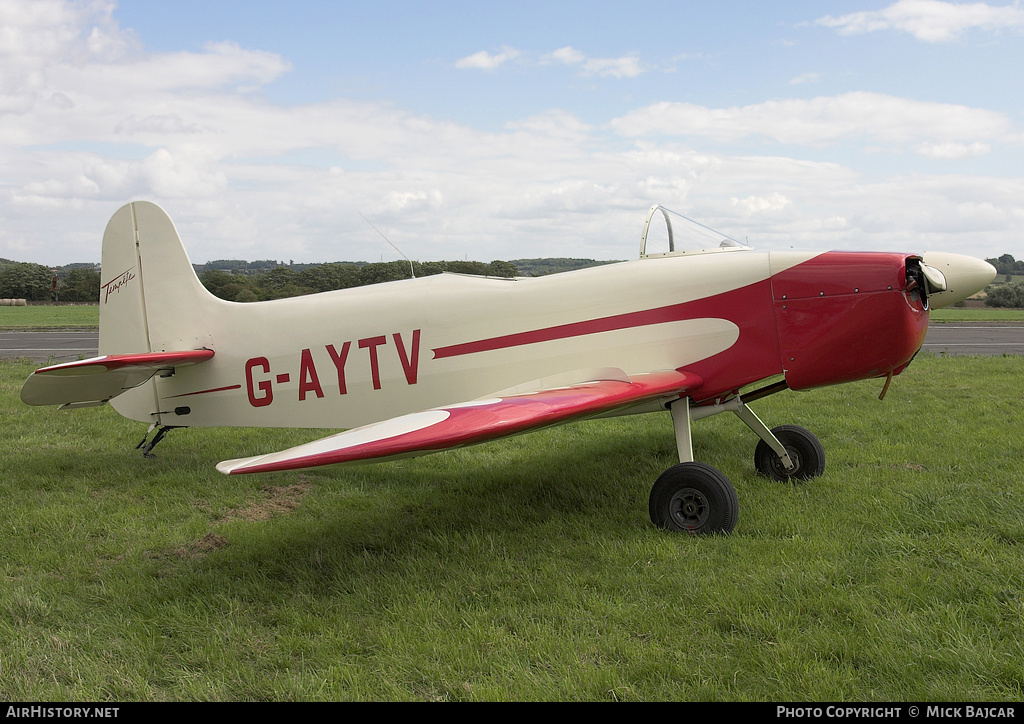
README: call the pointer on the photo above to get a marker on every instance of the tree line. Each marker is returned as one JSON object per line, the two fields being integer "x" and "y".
{"x": 38, "y": 283}
{"x": 1010, "y": 293}
{"x": 1007, "y": 265}
{"x": 286, "y": 281}
{"x": 241, "y": 281}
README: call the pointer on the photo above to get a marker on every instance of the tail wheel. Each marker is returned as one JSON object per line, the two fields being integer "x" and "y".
{"x": 695, "y": 498}
{"x": 804, "y": 450}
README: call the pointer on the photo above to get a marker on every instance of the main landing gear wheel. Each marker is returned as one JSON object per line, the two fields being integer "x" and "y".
{"x": 804, "y": 450}
{"x": 695, "y": 498}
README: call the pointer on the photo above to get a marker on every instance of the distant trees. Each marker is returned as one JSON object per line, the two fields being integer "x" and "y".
{"x": 1006, "y": 264}
{"x": 79, "y": 285}
{"x": 224, "y": 285}
{"x": 23, "y": 280}
{"x": 34, "y": 282}
{"x": 1005, "y": 295}
{"x": 285, "y": 281}
{"x": 1010, "y": 293}
{"x": 244, "y": 281}
{"x": 327, "y": 277}
{"x": 557, "y": 265}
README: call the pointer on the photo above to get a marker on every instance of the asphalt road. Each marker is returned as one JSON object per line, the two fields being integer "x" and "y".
{"x": 956, "y": 338}
{"x": 975, "y": 338}
{"x": 49, "y": 347}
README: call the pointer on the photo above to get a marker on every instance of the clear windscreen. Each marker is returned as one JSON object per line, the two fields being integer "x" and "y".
{"x": 666, "y": 232}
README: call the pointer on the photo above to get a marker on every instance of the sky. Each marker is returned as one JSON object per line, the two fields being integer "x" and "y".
{"x": 331, "y": 130}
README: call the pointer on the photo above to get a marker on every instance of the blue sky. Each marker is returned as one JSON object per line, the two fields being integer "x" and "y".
{"x": 505, "y": 130}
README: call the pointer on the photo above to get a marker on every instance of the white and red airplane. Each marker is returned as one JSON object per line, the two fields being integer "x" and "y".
{"x": 423, "y": 365}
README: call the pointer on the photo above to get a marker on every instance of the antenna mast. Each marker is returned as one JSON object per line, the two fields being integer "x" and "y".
{"x": 412, "y": 273}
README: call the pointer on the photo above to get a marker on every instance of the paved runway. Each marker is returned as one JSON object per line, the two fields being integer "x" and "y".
{"x": 51, "y": 347}
{"x": 956, "y": 338}
{"x": 975, "y": 338}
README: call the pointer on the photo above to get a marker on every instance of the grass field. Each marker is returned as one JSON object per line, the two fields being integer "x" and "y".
{"x": 50, "y": 317}
{"x": 84, "y": 316}
{"x": 984, "y": 314}
{"x": 525, "y": 569}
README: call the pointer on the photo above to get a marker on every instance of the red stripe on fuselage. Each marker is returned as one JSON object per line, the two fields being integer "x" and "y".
{"x": 630, "y": 320}
{"x": 203, "y": 392}
{"x": 753, "y": 357}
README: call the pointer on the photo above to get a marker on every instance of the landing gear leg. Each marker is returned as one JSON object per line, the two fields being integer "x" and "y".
{"x": 786, "y": 452}
{"x": 692, "y": 497}
{"x": 681, "y": 424}
{"x": 147, "y": 447}
{"x": 804, "y": 451}
{"x": 768, "y": 437}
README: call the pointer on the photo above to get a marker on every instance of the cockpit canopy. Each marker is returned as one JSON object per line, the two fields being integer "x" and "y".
{"x": 667, "y": 233}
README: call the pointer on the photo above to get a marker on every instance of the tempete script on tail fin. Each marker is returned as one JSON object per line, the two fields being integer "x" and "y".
{"x": 94, "y": 381}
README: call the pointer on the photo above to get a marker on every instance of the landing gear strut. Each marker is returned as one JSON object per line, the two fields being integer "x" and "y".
{"x": 147, "y": 447}
{"x": 803, "y": 448}
{"x": 697, "y": 498}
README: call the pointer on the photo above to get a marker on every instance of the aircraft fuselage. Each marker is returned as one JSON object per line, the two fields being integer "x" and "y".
{"x": 346, "y": 358}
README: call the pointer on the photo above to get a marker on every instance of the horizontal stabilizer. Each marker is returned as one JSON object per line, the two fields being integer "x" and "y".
{"x": 471, "y": 422}
{"x": 94, "y": 381}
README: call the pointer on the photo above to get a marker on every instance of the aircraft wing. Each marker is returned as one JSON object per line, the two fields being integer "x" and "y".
{"x": 94, "y": 381}
{"x": 472, "y": 422}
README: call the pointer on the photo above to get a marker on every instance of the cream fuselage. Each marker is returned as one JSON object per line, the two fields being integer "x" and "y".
{"x": 346, "y": 358}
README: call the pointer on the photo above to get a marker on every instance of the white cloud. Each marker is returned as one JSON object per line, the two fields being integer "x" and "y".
{"x": 166, "y": 123}
{"x": 954, "y": 151}
{"x": 568, "y": 55}
{"x": 183, "y": 175}
{"x": 554, "y": 124}
{"x": 487, "y": 61}
{"x": 932, "y": 21}
{"x": 824, "y": 120}
{"x": 222, "y": 65}
{"x": 628, "y": 66}
{"x": 806, "y": 78}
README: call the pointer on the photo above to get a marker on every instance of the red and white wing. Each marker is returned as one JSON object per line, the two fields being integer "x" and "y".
{"x": 471, "y": 422}
{"x": 96, "y": 380}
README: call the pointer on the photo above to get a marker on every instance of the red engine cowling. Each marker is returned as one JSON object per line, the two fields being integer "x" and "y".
{"x": 845, "y": 316}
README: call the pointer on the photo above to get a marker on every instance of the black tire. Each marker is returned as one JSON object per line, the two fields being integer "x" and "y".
{"x": 694, "y": 498}
{"x": 804, "y": 450}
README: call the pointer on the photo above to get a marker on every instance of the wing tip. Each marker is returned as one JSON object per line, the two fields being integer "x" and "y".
{"x": 233, "y": 467}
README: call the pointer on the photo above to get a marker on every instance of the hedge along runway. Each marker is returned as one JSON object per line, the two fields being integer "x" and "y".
{"x": 955, "y": 338}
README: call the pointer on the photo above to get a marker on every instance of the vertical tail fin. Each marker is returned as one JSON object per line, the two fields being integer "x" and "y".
{"x": 150, "y": 297}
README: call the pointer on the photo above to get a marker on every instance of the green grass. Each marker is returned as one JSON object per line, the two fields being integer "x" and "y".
{"x": 50, "y": 317}
{"x": 986, "y": 314}
{"x": 84, "y": 316}
{"x": 525, "y": 569}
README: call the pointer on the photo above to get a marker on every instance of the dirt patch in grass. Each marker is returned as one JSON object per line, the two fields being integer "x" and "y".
{"x": 276, "y": 500}
{"x": 207, "y": 544}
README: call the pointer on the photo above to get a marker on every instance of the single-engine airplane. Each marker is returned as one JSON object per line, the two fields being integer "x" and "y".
{"x": 701, "y": 326}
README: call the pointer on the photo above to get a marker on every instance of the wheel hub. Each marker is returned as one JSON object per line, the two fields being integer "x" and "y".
{"x": 794, "y": 457}
{"x": 689, "y": 508}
